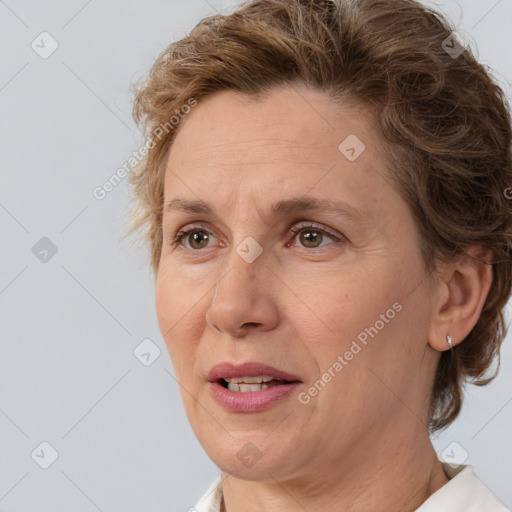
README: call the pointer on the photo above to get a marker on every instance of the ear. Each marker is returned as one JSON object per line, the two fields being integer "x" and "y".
{"x": 461, "y": 291}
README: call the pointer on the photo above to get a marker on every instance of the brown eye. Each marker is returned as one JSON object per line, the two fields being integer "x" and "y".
{"x": 198, "y": 239}
{"x": 193, "y": 238}
{"x": 310, "y": 238}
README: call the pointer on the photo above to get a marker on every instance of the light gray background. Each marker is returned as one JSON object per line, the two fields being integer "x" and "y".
{"x": 68, "y": 327}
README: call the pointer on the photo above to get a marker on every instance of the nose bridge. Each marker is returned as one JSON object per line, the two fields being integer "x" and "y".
{"x": 243, "y": 268}
{"x": 241, "y": 295}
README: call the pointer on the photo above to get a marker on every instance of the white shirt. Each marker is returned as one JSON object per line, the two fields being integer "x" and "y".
{"x": 463, "y": 493}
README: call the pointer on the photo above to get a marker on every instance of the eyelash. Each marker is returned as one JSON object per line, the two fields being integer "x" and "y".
{"x": 295, "y": 230}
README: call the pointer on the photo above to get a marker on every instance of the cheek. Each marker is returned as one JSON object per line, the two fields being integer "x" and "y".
{"x": 177, "y": 296}
{"x": 352, "y": 300}
{"x": 179, "y": 310}
{"x": 362, "y": 313}
{"x": 381, "y": 328}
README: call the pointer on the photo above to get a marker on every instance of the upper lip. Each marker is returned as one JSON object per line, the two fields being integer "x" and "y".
{"x": 249, "y": 369}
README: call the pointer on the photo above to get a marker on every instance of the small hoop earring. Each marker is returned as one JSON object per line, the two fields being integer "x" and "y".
{"x": 450, "y": 341}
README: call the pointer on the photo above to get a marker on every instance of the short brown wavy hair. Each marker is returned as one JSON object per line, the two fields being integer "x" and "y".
{"x": 444, "y": 121}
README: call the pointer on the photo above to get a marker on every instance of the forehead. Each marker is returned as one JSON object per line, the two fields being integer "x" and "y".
{"x": 288, "y": 120}
{"x": 293, "y": 142}
{"x": 289, "y": 127}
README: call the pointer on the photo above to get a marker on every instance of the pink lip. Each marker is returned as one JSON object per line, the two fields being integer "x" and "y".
{"x": 253, "y": 401}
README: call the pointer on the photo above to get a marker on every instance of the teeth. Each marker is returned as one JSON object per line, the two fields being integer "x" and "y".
{"x": 247, "y": 388}
{"x": 250, "y": 380}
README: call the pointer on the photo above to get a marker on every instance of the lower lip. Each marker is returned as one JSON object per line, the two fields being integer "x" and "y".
{"x": 253, "y": 400}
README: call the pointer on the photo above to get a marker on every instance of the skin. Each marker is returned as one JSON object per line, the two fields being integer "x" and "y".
{"x": 362, "y": 443}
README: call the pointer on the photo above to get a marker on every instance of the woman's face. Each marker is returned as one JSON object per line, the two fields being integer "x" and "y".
{"x": 300, "y": 255}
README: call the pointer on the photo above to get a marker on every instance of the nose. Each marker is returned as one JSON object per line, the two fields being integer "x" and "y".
{"x": 243, "y": 301}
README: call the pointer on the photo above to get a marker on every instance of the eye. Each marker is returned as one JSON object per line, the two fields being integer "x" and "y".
{"x": 311, "y": 236}
{"x": 196, "y": 237}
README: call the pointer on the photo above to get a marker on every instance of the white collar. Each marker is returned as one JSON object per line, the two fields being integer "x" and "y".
{"x": 463, "y": 493}
{"x": 211, "y": 499}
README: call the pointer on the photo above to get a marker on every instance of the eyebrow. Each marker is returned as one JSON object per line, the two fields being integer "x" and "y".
{"x": 283, "y": 208}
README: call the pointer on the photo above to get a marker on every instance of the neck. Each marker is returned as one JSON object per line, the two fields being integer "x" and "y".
{"x": 391, "y": 475}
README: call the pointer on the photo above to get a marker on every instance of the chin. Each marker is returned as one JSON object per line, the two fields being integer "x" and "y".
{"x": 251, "y": 456}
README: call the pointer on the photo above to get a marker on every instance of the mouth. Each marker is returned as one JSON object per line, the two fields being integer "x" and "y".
{"x": 242, "y": 376}
{"x": 248, "y": 384}
{"x": 250, "y": 387}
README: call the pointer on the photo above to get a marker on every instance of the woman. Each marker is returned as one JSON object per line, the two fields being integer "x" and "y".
{"x": 323, "y": 197}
